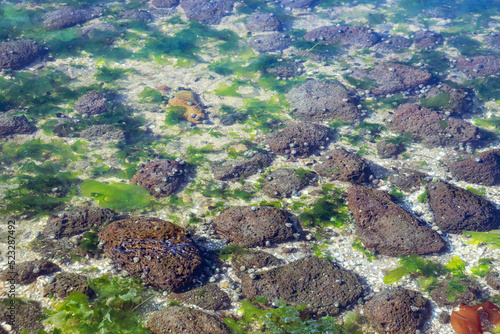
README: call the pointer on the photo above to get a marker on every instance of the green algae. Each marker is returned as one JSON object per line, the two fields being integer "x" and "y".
{"x": 116, "y": 195}
{"x": 438, "y": 102}
{"x": 329, "y": 210}
{"x": 357, "y": 245}
{"x": 491, "y": 238}
{"x": 228, "y": 90}
{"x": 150, "y": 95}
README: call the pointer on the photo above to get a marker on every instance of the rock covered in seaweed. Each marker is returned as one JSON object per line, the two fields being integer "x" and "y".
{"x": 15, "y": 122}
{"x": 190, "y": 104}
{"x": 66, "y": 283}
{"x": 159, "y": 252}
{"x": 386, "y": 227}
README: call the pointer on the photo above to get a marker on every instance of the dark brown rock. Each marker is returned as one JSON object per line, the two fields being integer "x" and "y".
{"x": 339, "y": 164}
{"x": 386, "y": 227}
{"x": 208, "y": 297}
{"x": 387, "y": 150}
{"x": 285, "y": 69}
{"x": 68, "y": 17}
{"x": 67, "y": 283}
{"x": 298, "y": 139}
{"x": 432, "y": 128}
{"x": 19, "y": 53}
{"x": 326, "y": 288}
{"x": 161, "y": 178}
{"x": 253, "y": 260}
{"x": 459, "y": 100}
{"x": 483, "y": 168}
{"x": 457, "y": 210}
{"x": 207, "y": 11}
{"x": 158, "y": 251}
{"x": 316, "y": 100}
{"x": 241, "y": 169}
{"x": 393, "y": 44}
{"x": 260, "y": 22}
{"x": 493, "y": 41}
{"x": 425, "y": 39}
{"x": 355, "y": 36}
{"x": 164, "y": 3}
{"x": 285, "y": 182}
{"x": 13, "y": 122}
{"x": 479, "y": 66}
{"x": 27, "y": 272}
{"x": 77, "y": 221}
{"x": 176, "y": 319}
{"x": 471, "y": 296}
{"x": 398, "y": 311}
{"x": 407, "y": 179}
{"x": 390, "y": 78}
{"x": 92, "y": 103}
{"x": 103, "y": 134}
{"x": 136, "y": 15}
{"x": 63, "y": 250}
{"x": 493, "y": 279}
{"x": 252, "y": 226}
{"x": 28, "y": 315}
{"x": 271, "y": 42}
{"x": 297, "y": 4}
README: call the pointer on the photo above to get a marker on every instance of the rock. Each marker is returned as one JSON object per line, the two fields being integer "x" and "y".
{"x": 136, "y": 15}
{"x": 271, "y": 42}
{"x": 493, "y": 279}
{"x": 479, "y": 66}
{"x": 304, "y": 137}
{"x": 253, "y": 260}
{"x": 393, "y": 44}
{"x": 208, "y": 297}
{"x": 27, "y": 272}
{"x": 425, "y": 39}
{"x": 64, "y": 250}
{"x": 459, "y": 101}
{"x": 103, "y": 134}
{"x": 342, "y": 165}
{"x": 297, "y": 4}
{"x": 326, "y": 288}
{"x": 92, "y": 103}
{"x": 261, "y": 22}
{"x": 432, "y": 128}
{"x": 386, "y": 227}
{"x": 284, "y": 182}
{"x": 67, "y": 283}
{"x": 457, "y": 210}
{"x": 193, "y": 110}
{"x": 398, "y": 311}
{"x": 164, "y": 3}
{"x": 176, "y": 319}
{"x": 207, "y": 11}
{"x": 387, "y": 150}
{"x": 68, "y": 17}
{"x": 352, "y": 36}
{"x": 493, "y": 41}
{"x": 285, "y": 69}
{"x": 13, "y": 122}
{"x": 28, "y": 315}
{"x": 471, "y": 296}
{"x": 19, "y": 53}
{"x": 77, "y": 221}
{"x": 486, "y": 172}
{"x": 161, "y": 177}
{"x": 252, "y": 226}
{"x": 407, "y": 179}
{"x": 390, "y": 78}
{"x": 316, "y": 100}
{"x": 167, "y": 257}
{"x": 241, "y": 169}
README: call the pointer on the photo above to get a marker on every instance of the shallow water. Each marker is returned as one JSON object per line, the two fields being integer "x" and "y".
{"x": 138, "y": 57}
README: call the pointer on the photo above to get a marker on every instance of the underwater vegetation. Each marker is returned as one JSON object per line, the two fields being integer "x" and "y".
{"x": 116, "y": 195}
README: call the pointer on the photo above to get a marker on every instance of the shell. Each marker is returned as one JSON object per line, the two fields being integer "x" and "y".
{"x": 189, "y": 101}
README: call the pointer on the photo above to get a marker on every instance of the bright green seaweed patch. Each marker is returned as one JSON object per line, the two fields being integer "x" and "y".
{"x": 491, "y": 122}
{"x": 357, "y": 245}
{"x": 329, "y": 210}
{"x": 437, "y": 102}
{"x": 150, "y": 95}
{"x": 37, "y": 149}
{"x": 112, "y": 311}
{"x": 282, "y": 319}
{"x": 491, "y": 238}
{"x": 116, "y": 195}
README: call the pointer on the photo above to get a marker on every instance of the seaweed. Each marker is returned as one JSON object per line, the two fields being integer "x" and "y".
{"x": 490, "y": 122}
{"x": 226, "y": 90}
{"x": 150, "y": 95}
{"x": 227, "y": 252}
{"x": 303, "y": 174}
{"x": 112, "y": 311}
{"x": 357, "y": 245}
{"x": 437, "y": 102}
{"x": 414, "y": 265}
{"x": 109, "y": 75}
{"x": 116, "y": 195}
{"x": 491, "y": 238}
{"x": 423, "y": 197}
{"x": 329, "y": 210}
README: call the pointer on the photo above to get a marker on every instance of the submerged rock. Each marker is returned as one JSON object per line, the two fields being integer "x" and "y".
{"x": 261, "y": 22}
{"x": 386, "y": 227}
{"x": 161, "y": 178}
{"x": 425, "y": 39}
{"x": 19, "y": 53}
{"x": 457, "y": 210}
{"x": 192, "y": 109}
{"x": 339, "y": 164}
{"x": 207, "y": 11}
{"x": 398, "y": 311}
{"x": 92, "y": 103}
{"x": 178, "y": 319}
{"x": 68, "y": 17}
{"x": 159, "y": 252}
{"x": 242, "y": 262}
{"x": 483, "y": 168}
{"x": 253, "y": 226}
{"x": 241, "y": 169}
{"x": 469, "y": 297}
{"x": 208, "y": 297}
{"x": 27, "y": 272}
{"x": 28, "y": 316}
{"x": 65, "y": 284}
{"x": 285, "y": 182}
{"x": 323, "y": 286}
{"x": 356, "y": 36}
{"x": 13, "y": 122}
{"x": 479, "y": 66}
{"x": 271, "y": 42}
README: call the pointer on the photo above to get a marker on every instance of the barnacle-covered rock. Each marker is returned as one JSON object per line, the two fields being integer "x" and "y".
{"x": 192, "y": 110}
